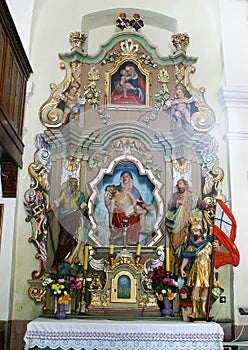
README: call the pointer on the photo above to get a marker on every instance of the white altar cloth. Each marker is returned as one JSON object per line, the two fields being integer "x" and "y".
{"x": 136, "y": 334}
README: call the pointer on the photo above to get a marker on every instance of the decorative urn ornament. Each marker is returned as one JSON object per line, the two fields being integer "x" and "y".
{"x": 77, "y": 39}
{"x": 180, "y": 41}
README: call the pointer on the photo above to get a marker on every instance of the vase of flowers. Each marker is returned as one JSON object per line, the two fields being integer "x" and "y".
{"x": 180, "y": 41}
{"x": 77, "y": 39}
{"x": 165, "y": 286}
{"x": 60, "y": 314}
{"x": 63, "y": 287}
{"x": 166, "y": 310}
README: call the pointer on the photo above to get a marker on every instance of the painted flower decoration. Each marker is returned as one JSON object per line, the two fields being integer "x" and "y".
{"x": 146, "y": 59}
{"x": 92, "y": 94}
{"x": 111, "y": 57}
{"x": 161, "y": 98}
{"x": 164, "y": 284}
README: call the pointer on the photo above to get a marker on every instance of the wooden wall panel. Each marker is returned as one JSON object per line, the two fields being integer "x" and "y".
{"x": 15, "y": 70}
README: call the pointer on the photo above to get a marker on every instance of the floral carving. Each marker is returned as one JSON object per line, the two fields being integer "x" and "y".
{"x": 126, "y": 145}
{"x": 92, "y": 94}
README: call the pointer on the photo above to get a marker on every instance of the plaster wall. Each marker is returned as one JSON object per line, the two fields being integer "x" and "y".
{"x": 6, "y": 255}
{"x": 238, "y": 183}
{"x": 234, "y": 28}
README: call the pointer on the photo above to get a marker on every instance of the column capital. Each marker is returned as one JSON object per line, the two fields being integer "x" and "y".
{"x": 231, "y": 96}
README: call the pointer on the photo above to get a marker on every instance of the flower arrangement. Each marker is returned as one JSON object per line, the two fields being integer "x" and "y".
{"x": 78, "y": 35}
{"x": 63, "y": 289}
{"x": 164, "y": 284}
{"x": 77, "y": 39}
{"x": 180, "y": 41}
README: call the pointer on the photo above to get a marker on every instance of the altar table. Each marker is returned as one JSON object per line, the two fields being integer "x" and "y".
{"x": 109, "y": 334}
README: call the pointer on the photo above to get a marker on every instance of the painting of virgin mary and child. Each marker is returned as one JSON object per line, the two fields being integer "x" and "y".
{"x": 128, "y": 85}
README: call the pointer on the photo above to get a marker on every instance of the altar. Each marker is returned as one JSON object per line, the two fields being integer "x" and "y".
{"x": 139, "y": 334}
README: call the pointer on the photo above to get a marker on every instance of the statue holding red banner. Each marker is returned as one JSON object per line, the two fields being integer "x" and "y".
{"x": 203, "y": 254}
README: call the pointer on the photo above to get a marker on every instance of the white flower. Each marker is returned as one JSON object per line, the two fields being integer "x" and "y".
{"x": 47, "y": 281}
{"x": 163, "y": 291}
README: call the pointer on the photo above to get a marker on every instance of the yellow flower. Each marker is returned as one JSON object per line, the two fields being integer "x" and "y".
{"x": 160, "y": 297}
{"x": 170, "y": 296}
{"x": 55, "y": 286}
{"x": 64, "y": 299}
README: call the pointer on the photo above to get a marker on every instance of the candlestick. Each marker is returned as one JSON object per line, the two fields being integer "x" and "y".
{"x": 167, "y": 257}
{"x": 138, "y": 250}
{"x": 86, "y": 256}
{"x": 83, "y": 306}
{"x": 111, "y": 249}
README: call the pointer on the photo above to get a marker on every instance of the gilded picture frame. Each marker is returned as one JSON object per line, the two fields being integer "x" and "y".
{"x": 128, "y": 85}
{"x": 123, "y": 288}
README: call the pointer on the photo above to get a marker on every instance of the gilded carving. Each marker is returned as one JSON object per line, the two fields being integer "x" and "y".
{"x": 37, "y": 293}
{"x": 127, "y": 82}
{"x": 125, "y": 145}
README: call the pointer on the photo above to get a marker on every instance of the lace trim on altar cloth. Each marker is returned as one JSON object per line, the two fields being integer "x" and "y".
{"x": 122, "y": 335}
{"x": 123, "y": 341}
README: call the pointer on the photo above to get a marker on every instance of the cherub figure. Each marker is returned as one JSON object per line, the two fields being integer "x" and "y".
{"x": 181, "y": 111}
{"x": 71, "y": 105}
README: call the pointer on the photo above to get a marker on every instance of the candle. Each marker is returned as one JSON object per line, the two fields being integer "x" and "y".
{"x": 86, "y": 255}
{"x": 111, "y": 249}
{"x": 138, "y": 250}
{"x": 167, "y": 256}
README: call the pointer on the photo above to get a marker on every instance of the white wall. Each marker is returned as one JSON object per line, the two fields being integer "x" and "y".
{"x": 6, "y": 255}
{"x": 234, "y": 28}
{"x": 22, "y": 14}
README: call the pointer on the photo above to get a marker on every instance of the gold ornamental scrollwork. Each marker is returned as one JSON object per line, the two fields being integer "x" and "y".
{"x": 50, "y": 114}
{"x": 94, "y": 74}
{"x": 37, "y": 292}
{"x": 204, "y": 119}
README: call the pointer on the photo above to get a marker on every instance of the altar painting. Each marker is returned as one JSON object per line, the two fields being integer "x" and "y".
{"x": 142, "y": 191}
{"x": 128, "y": 85}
